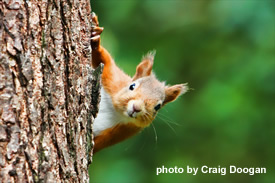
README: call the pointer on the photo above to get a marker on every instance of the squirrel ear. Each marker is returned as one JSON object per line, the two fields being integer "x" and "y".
{"x": 145, "y": 66}
{"x": 173, "y": 92}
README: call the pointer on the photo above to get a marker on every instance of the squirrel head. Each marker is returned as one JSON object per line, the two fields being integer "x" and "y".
{"x": 141, "y": 99}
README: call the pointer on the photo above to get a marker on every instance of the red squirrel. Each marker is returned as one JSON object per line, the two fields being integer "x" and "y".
{"x": 128, "y": 104}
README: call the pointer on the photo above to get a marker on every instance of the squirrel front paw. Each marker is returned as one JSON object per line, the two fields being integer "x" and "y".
{"x": 96, "y": 31}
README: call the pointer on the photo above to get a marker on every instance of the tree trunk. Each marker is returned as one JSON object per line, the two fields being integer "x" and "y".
{"x": 48, "y": 91}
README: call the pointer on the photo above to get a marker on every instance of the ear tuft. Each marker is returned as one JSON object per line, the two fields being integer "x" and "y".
{"x": 149, "y": 56}
{"x": 145, "y": 66}
{"x": 184, "y": 88}
{"x": 173, "y": 92}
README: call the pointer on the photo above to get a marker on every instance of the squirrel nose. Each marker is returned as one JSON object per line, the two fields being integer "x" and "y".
{"x": 136, "y": 108}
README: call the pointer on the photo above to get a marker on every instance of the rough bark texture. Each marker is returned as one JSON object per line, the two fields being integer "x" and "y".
{"x": 48, "y": 91}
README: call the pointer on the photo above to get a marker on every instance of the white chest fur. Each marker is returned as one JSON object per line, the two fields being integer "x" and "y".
{"x": 107, "y": 116}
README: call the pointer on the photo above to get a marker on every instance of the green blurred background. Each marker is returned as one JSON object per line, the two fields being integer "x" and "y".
{"x": 225, "y": 50}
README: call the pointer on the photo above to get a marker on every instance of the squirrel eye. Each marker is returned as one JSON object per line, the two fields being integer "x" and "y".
{"x": 132, "y": 86}
{"x": 157, "y": 107}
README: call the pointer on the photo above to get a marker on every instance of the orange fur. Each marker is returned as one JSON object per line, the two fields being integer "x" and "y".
{"x": 113, "y": 79}
{"x": 114, "y": 135}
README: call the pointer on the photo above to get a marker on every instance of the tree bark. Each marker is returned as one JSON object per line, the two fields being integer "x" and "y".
{"x": 48, "y": 91}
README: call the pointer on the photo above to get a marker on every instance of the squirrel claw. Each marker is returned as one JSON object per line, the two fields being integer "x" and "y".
{"x": 94, "y": 19}
{"x": 96, "y": 31}
{"x": 95, "y": 38}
